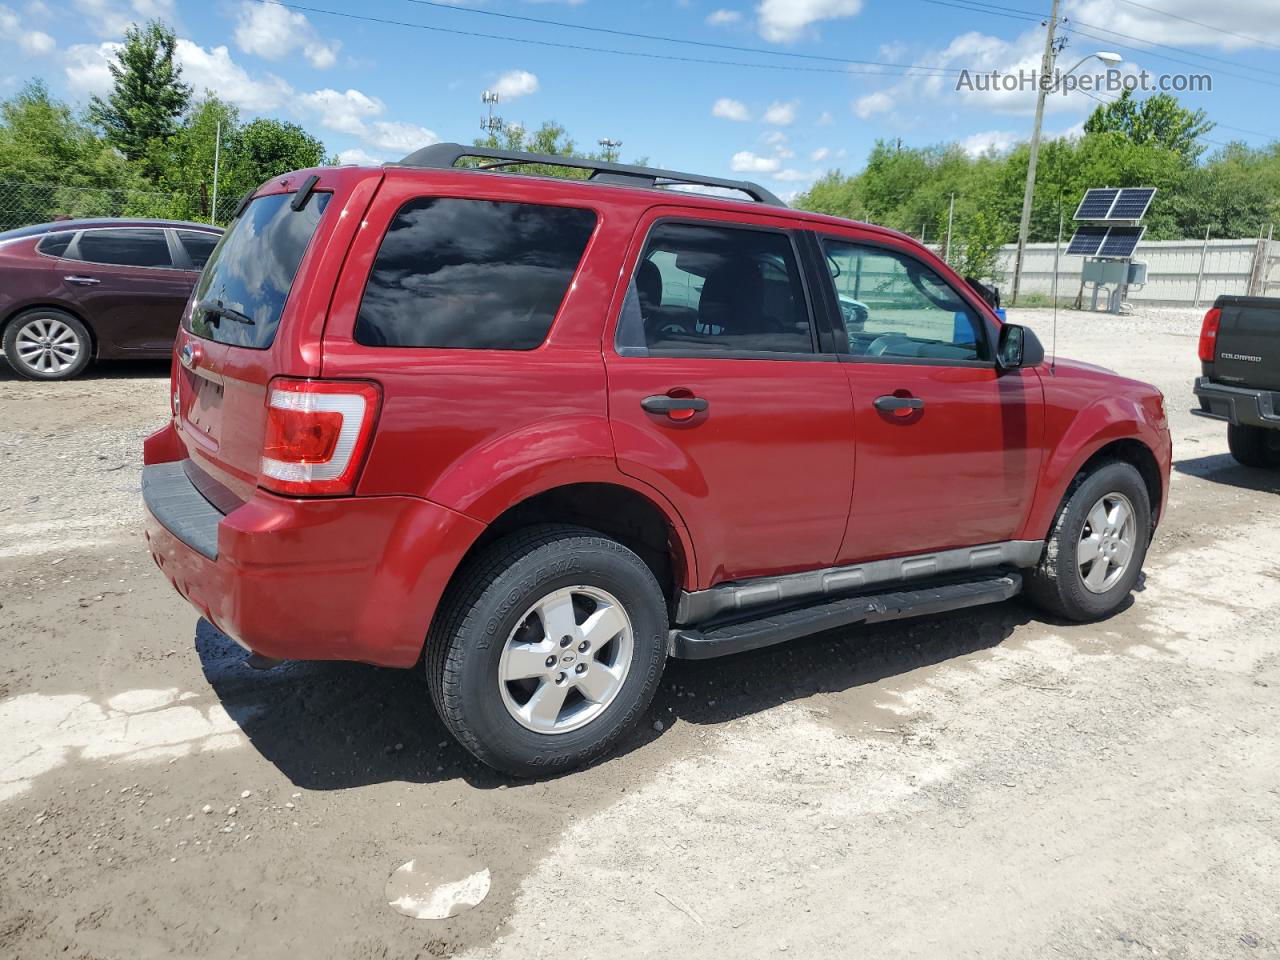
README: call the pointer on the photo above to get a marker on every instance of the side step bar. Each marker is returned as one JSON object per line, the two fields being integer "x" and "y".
{"x": 694, "y": 644}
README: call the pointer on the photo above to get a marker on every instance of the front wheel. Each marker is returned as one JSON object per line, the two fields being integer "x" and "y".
{"x": 1099, "y": 541}
{"x": 548, "y": 649}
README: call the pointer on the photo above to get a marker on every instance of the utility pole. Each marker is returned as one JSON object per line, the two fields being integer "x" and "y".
{"x": 490, "y": 124}
{"x": 951, "y": 215}
{"x": 217, "y": 156}
{"x": 1043, "y": 85}
{"x": 610, "y": 149}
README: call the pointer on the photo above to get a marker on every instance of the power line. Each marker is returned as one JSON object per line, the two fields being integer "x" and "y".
{"x": 1075, "y": 30}
{"x": 522, "y": 18}
{"x": 880, "y": 69}
{"x": 1200, "y": 23}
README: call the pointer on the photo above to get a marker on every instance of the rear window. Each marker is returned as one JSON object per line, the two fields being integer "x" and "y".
{"x": 124, "y": 247}
{"x": 55, "y": 244}
{"x": 242, "y": 291}
{"x": 471, "y": 274}
{"x": 198, "y": 246}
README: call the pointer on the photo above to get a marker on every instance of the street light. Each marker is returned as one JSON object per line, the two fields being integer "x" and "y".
{"x": 1042, "y": 91}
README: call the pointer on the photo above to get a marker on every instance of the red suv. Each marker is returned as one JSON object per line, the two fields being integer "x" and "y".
{"x": 540, "y": 434}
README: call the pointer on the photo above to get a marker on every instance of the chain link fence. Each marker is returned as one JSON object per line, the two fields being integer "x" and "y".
{"x": 23, "y": 204}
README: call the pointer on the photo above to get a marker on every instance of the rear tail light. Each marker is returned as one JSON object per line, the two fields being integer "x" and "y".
{"x": 1209, "y": 335}
{"x": 318, "y": 433}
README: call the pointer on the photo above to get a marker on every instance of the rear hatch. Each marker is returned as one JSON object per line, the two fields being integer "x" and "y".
{"x": 258, "y": 312}
{"x": 1247, "y": 351}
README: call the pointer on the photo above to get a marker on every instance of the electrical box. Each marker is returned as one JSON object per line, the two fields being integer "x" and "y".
{"x": 1105, "y": 272}
{"x": 1137, "y": 273}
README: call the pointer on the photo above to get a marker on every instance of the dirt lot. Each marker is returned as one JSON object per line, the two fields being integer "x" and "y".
{"x": 987, "y": 784}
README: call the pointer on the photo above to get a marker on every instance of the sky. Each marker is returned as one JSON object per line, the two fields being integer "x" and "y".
{"x": 794, "y": 87}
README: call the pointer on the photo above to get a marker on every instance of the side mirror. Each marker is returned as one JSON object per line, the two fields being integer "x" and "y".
{"x": 1018, "y": 347}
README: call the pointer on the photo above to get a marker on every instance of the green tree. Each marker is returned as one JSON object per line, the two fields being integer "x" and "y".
{"x": 147, "y": 98}
{"x": 1158, "y": 120}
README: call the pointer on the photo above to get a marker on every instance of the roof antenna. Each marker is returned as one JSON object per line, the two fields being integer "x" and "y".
{"x": 1057, "y": 252}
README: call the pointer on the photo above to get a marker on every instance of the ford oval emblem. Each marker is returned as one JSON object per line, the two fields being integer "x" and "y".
{"x": 188, "y": 356}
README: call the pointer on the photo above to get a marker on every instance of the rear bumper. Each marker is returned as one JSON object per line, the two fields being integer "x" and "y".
{"x": 1242, "y": 406}
{"x": 353, "y": 578}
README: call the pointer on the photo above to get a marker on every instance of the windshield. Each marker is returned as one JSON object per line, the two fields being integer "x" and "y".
{"x": 242, "y": 291}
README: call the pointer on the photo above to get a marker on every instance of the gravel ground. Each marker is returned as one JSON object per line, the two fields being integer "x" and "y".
{"x": 982, "y": 784}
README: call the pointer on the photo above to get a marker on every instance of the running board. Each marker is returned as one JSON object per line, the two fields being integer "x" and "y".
{"x": 694, "y": 644}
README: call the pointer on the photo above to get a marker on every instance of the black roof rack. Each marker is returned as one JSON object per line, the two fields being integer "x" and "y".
{"x": 445, "y": 155}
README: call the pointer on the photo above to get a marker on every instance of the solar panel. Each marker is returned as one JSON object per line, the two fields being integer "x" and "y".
{"x": 1132, "y": 203}
{"x": 1086, "y": 241}
{"x": 1096, "y": 203}
{"x": 1121, "y": 241}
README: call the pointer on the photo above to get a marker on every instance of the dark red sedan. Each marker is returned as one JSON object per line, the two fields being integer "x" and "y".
{"x": 77, "y": 290}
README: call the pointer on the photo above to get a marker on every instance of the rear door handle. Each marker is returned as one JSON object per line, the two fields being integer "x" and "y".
{"x": 661, "y": 403}
{"x": 892, "y": 404}
{"x": 84, "y": 281}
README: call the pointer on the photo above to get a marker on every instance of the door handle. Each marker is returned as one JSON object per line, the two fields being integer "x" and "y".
{"x": 892, "y": 404}
{"x": 83, "y": 281}
{"x": 679, "y": 408}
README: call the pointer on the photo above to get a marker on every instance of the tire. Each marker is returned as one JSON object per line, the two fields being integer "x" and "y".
{"x": 1254, "y": 446}
{"x": 47, "y": 344}
{"x": 500, "y": 603}
{"x": 1069, "y": 585}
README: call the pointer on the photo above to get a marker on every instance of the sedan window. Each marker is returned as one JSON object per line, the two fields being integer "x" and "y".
{"x": 129, "y": 247}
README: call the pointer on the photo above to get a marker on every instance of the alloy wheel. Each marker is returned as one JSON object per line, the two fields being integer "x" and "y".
{"x": 1107, "y": 542}
{"x": 47, "y": 345}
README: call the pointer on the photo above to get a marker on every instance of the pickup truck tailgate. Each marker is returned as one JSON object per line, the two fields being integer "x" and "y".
{"x": 1248, "y": 344}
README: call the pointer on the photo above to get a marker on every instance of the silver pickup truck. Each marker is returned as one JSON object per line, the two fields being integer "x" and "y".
{"x": 1240, "y": 376}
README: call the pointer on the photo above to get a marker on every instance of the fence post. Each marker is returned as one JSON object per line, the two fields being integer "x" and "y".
{"x": 951, "y": 212}
{"x": 1204, "y": 250}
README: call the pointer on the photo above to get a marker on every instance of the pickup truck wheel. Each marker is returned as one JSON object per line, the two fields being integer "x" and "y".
{"x": 1099, "y": 541}
{"x": 548, "y": 649}
{"x": 47, "y": 344}
{"x": 1254, "y": 446}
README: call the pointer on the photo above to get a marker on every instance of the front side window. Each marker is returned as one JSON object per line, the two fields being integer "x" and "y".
{"x": 893, "y": 306}
{"x": 126, "y": 247}
{"x": 706, "y": 288}
{"x": 472, "y": 274}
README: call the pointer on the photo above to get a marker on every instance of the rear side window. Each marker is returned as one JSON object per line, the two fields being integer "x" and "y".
{"x": 198, "y": 246}
{"x": 471, "y": 274}
{"x": 55, "y": 244}
{"x": 125, "y": 247}
{"x": 242, "y": 291}
{"x": 712, "y": 289}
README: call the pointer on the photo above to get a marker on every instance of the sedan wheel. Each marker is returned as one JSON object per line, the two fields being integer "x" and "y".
{"x": 47, "y": 345}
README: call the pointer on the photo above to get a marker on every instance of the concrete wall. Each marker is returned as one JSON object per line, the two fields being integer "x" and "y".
{"x": 1171, "y": 270}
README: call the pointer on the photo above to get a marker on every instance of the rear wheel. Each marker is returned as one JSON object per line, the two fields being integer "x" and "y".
{"x": 1254, "y": 446}
{"x": 548, "y": 649}
{"x": 1099, "y": 541}
{"x": 47, "y": 344}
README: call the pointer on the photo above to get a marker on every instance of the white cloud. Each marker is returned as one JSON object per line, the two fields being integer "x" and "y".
{"x": 747, "y": 162}
{"x": 977, "y": 144}
{"x": 343, "y": 111}
{"x": 400, "y": 136}
{"x": 781, "y": 114}
{"x": 730, "y": 109}
{"x": 214, "y": 70}
{"x": 794, "y": 176}
{"x": 723, "y": 18}
{"x": 516, "y": 83}
{"x": 9, "y": 21}
{"x": 86, "y": 67}
{"x": 825, "y": 119}
{"x": 785, "y": 21}
{"x": 819, "y": 155}
{"x": 1240, "y": 23}
{"x": 872, "y": 103}
{"x": 274, "y": 32}
{"x": 775, "y": 138}
{"x": 359, "y": 157}
{"x": 36, "y": 42}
